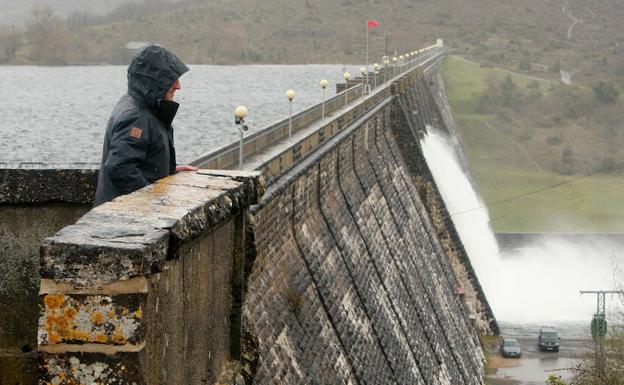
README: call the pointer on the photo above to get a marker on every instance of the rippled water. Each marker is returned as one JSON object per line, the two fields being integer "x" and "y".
{"x": 59, "y": 114}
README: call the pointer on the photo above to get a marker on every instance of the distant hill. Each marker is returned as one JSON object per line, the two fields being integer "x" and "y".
{"x": 583, "y": 37}
{"x": 18, "y": 11}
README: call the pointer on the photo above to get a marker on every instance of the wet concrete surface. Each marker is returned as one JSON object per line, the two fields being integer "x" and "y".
{"x": 534, "y": 367}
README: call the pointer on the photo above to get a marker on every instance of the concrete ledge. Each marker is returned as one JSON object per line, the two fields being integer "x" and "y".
{"x": 42, "y": 186}
{"x": 131, "y": 236}
{"x": 139, "y": 290}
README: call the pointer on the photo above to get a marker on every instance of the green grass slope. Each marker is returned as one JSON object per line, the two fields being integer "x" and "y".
{"x": 505, "y": 166}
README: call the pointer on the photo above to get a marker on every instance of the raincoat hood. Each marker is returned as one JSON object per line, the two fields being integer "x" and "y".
{"x": 152, "y": 72}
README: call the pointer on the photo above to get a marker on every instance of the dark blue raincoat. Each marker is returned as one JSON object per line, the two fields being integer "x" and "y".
{"x": 138, "y": 144}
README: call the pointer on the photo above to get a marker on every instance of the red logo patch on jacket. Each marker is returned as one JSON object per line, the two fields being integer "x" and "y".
{"x": 136, "y": 132}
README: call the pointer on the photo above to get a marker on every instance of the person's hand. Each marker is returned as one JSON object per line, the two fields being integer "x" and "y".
{"x": 185, "y": 168}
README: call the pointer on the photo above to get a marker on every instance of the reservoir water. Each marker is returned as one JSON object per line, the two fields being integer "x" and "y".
{"x": 58, "y": 114}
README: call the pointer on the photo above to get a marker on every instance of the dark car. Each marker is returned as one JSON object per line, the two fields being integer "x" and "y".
{"x": 548, "y": 339}
{"x": 510, "y": 348}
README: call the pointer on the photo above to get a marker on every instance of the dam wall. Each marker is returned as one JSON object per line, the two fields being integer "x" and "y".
{"x": 350, "y": 283}
{"x": 424, "y": 107}
{"x": 329, "y": 259}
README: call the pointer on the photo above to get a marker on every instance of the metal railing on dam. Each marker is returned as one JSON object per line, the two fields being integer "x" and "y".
{"x": 333, "y": 262}
{"x": 379, "y": 82}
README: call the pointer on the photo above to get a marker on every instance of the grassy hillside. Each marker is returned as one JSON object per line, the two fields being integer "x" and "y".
{"x": 512, "y": 34}
{"x": 514, "y": 156}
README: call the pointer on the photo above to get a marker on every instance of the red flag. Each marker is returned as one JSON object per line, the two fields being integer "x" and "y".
{"x": 372, "y": 24}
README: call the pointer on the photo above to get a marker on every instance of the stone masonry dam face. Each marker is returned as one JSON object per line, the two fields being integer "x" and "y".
{"x": 335, "y": 262}
{"x": 350, "y": 282}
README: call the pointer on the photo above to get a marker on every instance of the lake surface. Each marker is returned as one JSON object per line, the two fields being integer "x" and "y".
{"x": 59, "y": 114}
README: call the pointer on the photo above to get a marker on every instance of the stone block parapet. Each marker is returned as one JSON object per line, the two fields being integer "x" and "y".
{"x": 140, "y": 289}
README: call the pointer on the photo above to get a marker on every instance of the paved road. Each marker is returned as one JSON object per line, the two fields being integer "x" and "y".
{"x": 534, "y": 366}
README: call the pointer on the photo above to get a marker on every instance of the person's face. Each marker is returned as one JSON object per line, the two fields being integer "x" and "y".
{"x": 172, "y": 90}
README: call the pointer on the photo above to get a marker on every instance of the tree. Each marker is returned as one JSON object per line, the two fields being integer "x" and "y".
{"x": 606, "y": 93}
{"x": 50, "y": 40}
{"x": 555, "y": 380}
{"x": 10, "y": 42}
{"x": 509, "y": 92}
{"x": 556, "y": 68}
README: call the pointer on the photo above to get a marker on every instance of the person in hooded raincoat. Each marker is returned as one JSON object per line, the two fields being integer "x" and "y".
{"x": 138, "y": 144}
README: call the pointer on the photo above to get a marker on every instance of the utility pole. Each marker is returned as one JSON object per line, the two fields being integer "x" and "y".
{"x": 599, "y": 324}
{"x": 601, "y": 301}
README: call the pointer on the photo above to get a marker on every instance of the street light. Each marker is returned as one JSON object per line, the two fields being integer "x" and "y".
{"x": 376, "y": 70}
{"x": 323, "y": 86}
{"x": 346, "y": 77}
{"x": 364, "y": 75}
{"x": 386, "y": 64}
{"x": 239, "y": 119}
{"x": 290, "y": 94}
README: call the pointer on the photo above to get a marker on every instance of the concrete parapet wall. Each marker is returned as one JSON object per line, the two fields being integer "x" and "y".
{"x": 44, "y": 186}
{"x": 140, "y": 289}
{"x": 350, "y": 281}
{"x": 34, "y": 204}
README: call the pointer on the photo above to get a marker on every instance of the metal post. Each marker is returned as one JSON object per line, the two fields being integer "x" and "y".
{"x": 323, "y": 105}
{"x": 239, "y": 119}
{"x": 290, "y": 120}
{"x": 240, "y": 148}
{"x": 290, "y": 94}
{"x": 386, "y": 65}
{"x": 347, "y": 77}
{"x": 366, "y": 66}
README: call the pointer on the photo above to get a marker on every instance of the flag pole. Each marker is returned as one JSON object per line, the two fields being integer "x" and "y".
{"x": 366, "y": 80}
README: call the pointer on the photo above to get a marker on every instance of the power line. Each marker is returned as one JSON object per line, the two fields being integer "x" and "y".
{"x": 615, "y": 166}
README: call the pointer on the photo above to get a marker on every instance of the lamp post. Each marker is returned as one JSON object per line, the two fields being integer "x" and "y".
{"x": 346, "y": 77}
{"x": 376, "y": 70}
{"x": 323, "y": 86}
{"x": 386, "y": 64}
{"x": 364, "y": 74}
{"x": 290, "y": 94}
{"x": 239, "y": 119}
{"x": 394, "y": 64}
{"x": 401, "y": 58}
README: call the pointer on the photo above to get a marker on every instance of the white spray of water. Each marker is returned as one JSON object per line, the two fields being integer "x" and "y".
{"x": 535, "y": 285}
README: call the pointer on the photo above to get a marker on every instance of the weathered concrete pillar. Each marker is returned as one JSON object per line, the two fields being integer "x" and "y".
{"x": 34, "y": 204}
{"x": 146, "y": 289}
